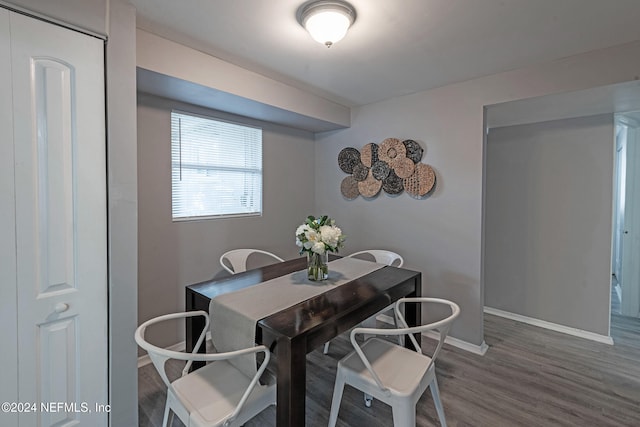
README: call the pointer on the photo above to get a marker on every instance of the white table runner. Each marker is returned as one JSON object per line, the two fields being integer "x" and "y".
{"x": 234, "y": 315}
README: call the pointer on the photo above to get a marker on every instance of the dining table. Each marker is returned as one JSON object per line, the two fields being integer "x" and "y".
{"x": 293, "y": 331}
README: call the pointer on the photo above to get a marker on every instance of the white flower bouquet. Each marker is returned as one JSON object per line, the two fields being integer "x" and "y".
{"x": 317, "y": 237}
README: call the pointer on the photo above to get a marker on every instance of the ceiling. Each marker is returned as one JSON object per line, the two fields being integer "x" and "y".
{"x": 395, "y": 47}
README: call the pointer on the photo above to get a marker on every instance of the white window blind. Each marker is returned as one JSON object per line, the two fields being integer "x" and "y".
{"x": 216, "y": 168}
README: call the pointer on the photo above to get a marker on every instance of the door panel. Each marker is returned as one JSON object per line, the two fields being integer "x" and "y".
{"x": 60, "y": 204}
{"x": 8, "y": 334}
{"x": 57, "y": 360}
{"x": 51, "y": 83}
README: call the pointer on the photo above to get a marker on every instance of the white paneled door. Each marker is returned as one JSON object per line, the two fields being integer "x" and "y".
{"x": 57, "y": 152}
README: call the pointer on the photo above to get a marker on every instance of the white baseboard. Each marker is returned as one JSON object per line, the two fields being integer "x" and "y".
{"x": 480, "y": 350}
{"x": 145, "y": 360}
{"x": 455, "y": 342}
{"x": 549, "y": 325}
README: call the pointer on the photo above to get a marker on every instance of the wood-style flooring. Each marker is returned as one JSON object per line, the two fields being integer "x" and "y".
{"x": 529, "y": 377}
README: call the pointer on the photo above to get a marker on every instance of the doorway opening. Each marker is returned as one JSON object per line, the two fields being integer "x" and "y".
{"x": 625, "y": 278}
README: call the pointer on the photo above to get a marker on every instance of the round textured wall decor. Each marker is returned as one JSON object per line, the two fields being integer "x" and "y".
{"x": 370, "y": 186}
{"x": 380, "y": 170}
{"x": 369, "y": 154}
{"x": 348, "y": 158}
{"x": 404, "y": 167}
{"x": 360, "y": 172}
{"x": 349, "y": 188}
{"x": 414, "y": 151}
{"x": 393, "y": 166}
{"x": 393, "y": 184}
{"x": 421, "y": 182}
{"x": 391, "y": 150}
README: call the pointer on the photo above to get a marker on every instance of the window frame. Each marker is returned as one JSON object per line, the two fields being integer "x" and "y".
{"x": 261, "y": 170}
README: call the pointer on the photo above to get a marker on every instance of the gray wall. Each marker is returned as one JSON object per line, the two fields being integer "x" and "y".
{"x": 548, "y": 220}
{"x": 173, "y": 255}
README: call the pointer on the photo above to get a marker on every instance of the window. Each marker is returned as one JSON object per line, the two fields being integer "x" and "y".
{"x": 216, "y": 168}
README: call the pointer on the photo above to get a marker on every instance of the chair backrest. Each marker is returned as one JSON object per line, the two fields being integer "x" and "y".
{"x": 237, "y": 259}
{"x": 159, "y": 356}
{"x": 381, "y": 256}
{"x": 442, "y": 326}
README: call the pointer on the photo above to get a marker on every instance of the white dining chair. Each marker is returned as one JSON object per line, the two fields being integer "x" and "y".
{"x": 380, "y": 256}
{"x": 396, "y": 375}
{"x": 217, "y": 394}
{"x": 237, "y": 259}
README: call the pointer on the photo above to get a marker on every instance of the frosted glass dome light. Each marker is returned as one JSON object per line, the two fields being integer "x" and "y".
{"x": 327, "y": 21}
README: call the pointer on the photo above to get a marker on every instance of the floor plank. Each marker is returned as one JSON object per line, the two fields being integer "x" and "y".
{"x": 529, "y": 377}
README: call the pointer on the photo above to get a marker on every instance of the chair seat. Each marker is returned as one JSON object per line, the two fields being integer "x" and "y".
{"x": 212, "y": 392}
{"x": 401, "y": 370}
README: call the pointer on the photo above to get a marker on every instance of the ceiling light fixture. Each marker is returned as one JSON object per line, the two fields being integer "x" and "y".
{"x": 326, "y": 21}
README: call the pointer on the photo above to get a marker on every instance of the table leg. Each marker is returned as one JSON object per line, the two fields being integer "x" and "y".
{"x": 193, "y": 328}
{"x": 292, "y": 382}
{"x": 413, "y": 313}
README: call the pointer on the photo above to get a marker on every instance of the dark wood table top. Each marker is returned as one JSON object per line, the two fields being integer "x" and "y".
{"x": 218, "y": 286}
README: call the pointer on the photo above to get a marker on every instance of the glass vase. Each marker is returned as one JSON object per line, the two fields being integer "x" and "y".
{"x": 317, "y": 268}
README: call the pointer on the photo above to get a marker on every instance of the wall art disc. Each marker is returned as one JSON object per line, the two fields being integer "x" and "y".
{"x": 349, "y": 188}
{"x": 369, "y": 154}
{"x": 348, "y": 158}
{"x": 421, "y": 182}
{"x": 391, "y": 150}
{"x": 403, "y": 167}
{"x": 393, "y": 184}
{"x": 370, "y": 186}
{"x": 360, "y": 172}
{"x": 414, "y": 151}
{"x": 380, "y": 170}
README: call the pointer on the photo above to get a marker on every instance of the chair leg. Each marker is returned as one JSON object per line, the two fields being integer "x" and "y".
{"x": 338, "y": 388}
{"x": 325, "y": 350}
{"x": 368, "y": 399}
{"x": 404, "y": 413}
{"x": 400, "y": 337}
{"x": 435, "y": 392}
